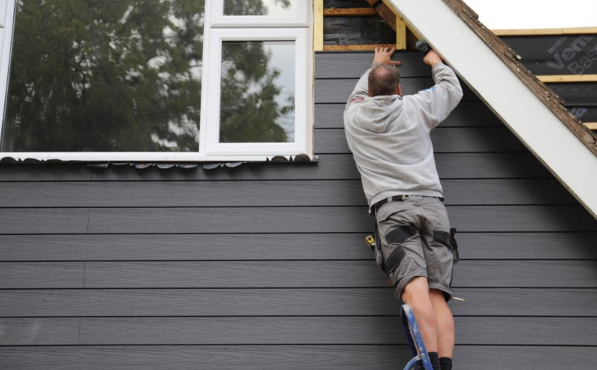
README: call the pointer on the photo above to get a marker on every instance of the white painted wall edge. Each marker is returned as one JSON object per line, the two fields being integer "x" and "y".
{"x": 543, "y": 133}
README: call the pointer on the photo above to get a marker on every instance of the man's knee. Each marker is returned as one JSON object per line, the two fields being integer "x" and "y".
{"x": 416, "y": 288}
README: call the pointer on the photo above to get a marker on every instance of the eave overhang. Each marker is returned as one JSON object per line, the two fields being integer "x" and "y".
{"x": 532, "y": 111}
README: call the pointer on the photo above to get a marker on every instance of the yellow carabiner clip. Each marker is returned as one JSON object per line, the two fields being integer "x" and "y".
{"x": 370, "y": 240}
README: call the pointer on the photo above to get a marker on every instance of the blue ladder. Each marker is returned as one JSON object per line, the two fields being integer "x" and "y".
{"x": 415, "y": 340}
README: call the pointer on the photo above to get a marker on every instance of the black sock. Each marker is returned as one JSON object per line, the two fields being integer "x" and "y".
{"x": 434, "y": 358}
{"x": 445, "y": 363}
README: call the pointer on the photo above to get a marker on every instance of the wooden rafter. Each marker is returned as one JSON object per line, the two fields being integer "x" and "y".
{"x": 356, "y": 12}
{"x": 546, "y": 31}
{"x": 384, "y": 12}
{"x": 395, "y": 22}
{"x": 362, "y": 47}
{"x": 568, "y": 78}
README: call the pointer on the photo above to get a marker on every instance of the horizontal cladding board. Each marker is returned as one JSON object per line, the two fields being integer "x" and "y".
{"x": 569, "y": 331}
{"x": 550, "y": 302}
{"x": 310, "y": 246}
{"x": 466, "y": 114}
{"x": 445, "y": 140}
{"x": 283, "y": 274}
{"x": 208, "y": 247}
{"x": 45, "y": 172}
{"x": 52, "y": 220}
{"x": 277, "y": 219}
{"x": 329, "y": 167}
{"x": 183, "y": 193}
{"x": 41, "y": 275}
{"x": 556, "y": 54}
{"x": 354, "y": 64}
{"x": 264, "y": 193}
{"x": 527, "y": 245}
{"x": 338, "y": 90}
{"x": 293, "y": 357}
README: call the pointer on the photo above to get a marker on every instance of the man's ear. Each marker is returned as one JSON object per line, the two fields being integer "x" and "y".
{"x": 368, "y": 93}
{"x": 399, "y": 90}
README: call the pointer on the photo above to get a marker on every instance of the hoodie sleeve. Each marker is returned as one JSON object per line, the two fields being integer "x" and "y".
{"x": 360, "y": 91}
{"x": 438, "y": 101}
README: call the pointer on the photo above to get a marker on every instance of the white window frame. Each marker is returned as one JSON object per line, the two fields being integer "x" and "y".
{"x": 7, "y": 10}
{"x": 218, "y": 28}
{"x": 211, "y": 99}
{"x": 221, "y": 20}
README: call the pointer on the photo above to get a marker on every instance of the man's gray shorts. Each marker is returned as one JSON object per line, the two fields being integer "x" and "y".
{"x": 415, "y": 241}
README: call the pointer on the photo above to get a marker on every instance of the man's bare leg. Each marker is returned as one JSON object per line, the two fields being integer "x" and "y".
{"x": 416, "y": 293}
{"x": 445, "y": 323}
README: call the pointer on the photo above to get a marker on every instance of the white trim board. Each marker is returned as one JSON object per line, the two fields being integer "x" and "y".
{"x": 543, "y": 133}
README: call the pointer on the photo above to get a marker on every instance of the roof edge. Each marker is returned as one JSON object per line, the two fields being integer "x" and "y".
{"x": 532, "y": 111}
{"x": 512, "y": 60}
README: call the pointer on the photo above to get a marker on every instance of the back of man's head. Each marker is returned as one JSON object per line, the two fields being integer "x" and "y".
{"x": 384, "y": 79}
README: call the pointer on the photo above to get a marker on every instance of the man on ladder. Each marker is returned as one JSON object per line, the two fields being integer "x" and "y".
{"x": 389, "y": 138}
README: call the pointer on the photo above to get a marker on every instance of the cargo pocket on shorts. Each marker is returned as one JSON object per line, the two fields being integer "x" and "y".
{"x": 391, "y": 253}
{"x": 395, "y": 238}
{"x": 448, "y": 240}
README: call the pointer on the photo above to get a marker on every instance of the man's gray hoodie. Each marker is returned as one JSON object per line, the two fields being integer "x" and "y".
{"x": 389, "y": 136}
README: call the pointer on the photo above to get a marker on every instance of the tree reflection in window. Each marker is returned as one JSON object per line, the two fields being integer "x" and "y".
{"x": 97, "y": 75}
{"x": 253, "y": 107}
{"x": 260, "y": 7}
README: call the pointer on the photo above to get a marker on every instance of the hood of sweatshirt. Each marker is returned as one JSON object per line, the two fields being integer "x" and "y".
{"x": 377, "y": 113}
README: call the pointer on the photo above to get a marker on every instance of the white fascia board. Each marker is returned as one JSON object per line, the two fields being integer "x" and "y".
{"x": 3, "y": 5}
{"x": 543, "y": 133}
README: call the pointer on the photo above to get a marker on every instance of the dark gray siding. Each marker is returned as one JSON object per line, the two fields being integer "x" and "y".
{"x": 264, "y": 266}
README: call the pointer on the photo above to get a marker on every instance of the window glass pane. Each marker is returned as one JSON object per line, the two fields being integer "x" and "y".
{"x": 96, "y": 75}
{"x": 279, "y": 8}
{"x": 257, "y": 91}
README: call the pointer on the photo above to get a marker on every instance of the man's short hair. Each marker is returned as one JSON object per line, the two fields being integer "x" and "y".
{"x": 384, "y": 80}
